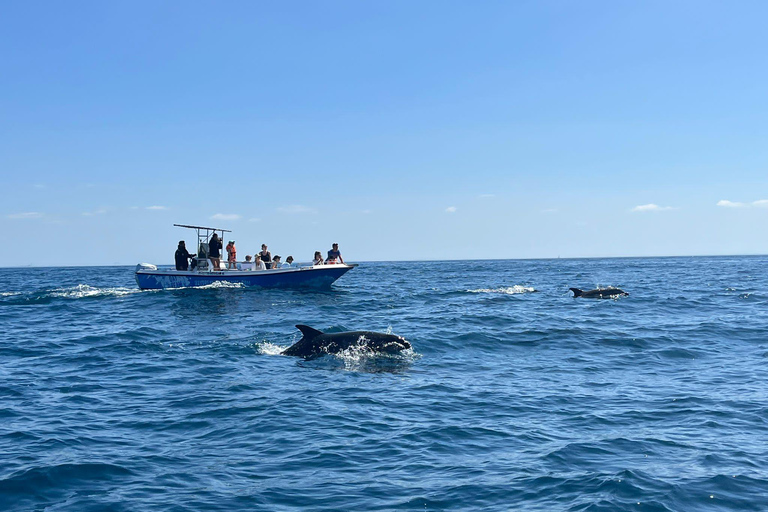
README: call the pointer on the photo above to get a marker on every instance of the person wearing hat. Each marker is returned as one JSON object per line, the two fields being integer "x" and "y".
{"x": 258, "y": 264}
{"x": 247, "y": 264}
{"x": 182, "y": 256}
{"x": 231, "y": 255}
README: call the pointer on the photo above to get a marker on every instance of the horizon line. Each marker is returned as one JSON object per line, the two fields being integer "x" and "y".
{"x": 450, "y": 260}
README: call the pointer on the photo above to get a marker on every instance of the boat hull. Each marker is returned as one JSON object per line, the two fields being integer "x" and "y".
{"x": 304, "y": 277}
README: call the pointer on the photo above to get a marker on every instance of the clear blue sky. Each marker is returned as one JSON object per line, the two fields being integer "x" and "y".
{"x": 400, "y": 129}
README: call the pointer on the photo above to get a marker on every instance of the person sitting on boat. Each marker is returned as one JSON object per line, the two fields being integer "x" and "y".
{"x": 266, "y": 256}
{"x": 333, "y": 255}
{"x": 214, "y": 251}
{"x": 276, "y": 263}
{"x": 258, "y": 264}
{"x": 182, "y": 256}
{"x": 247, "y": 264}
{"x": 288, "y": 262}
{"x": 231, "y": 255}
{"x": 318, "y": 259}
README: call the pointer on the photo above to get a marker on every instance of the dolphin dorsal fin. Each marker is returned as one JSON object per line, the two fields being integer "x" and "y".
{"x": 308, "y": 331}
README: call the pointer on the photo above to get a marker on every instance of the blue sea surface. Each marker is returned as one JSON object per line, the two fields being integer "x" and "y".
{"x": 516, "y": 396}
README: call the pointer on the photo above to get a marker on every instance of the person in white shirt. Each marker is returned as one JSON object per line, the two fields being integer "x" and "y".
{"x": 247, "y": 264}
{"x": 258, "y": 264}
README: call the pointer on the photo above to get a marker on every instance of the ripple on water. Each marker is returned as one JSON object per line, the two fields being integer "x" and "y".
{"x": 515, "y": 397}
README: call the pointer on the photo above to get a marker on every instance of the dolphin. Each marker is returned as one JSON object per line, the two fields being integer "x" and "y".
{"x": 316, "y": 343}
{"x": 599, "y": 293}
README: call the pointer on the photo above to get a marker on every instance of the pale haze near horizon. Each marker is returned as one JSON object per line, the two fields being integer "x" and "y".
{"x": 401, "y": 130}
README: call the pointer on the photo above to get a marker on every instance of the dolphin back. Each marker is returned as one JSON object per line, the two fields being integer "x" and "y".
{"x": 305, "y": 346}
{"x": 599, "y": 293}
{"x": 308, "y": 331}
{"x": 316, "y": 343}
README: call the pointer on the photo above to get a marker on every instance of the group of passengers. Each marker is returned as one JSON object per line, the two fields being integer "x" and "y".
{"x": 260, "y": 261}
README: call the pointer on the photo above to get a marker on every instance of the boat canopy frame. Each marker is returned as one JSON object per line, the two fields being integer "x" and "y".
{"x": 204, "y": 234}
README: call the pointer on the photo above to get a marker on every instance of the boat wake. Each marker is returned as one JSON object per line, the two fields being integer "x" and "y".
{"x": 507, "y": 290}
{"x": 216, "y": 285}
{"x": 80, "y": 291}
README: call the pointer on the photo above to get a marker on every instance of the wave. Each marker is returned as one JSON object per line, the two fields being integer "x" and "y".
{"x": 57, "y": 478}
{"x": 216, "y": 285}
{"x": 85, "y": 291}
{"x": 80, "y": 291}
{"x": 507, "y": 290}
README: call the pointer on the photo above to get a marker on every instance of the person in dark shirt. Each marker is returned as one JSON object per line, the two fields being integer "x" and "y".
{"x": 182, "y": 257}
{"x": 266, "y": 256}
{"x": 333, "y": 255}
{"x": 214, "y": 251}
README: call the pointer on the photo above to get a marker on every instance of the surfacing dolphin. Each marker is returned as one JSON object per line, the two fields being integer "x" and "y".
{"x": 316, "y": 343}
{"x": 599, "y": 293}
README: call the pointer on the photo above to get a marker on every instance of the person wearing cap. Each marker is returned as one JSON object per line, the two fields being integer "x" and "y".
{"x": 258, "y": 264}
{"x": 247, "y": 264}
{"x": 182, "y": 256}
{"x": 231, "y": 255}
{"x": 276, "y": 263}
{"x": 333, "y": 255}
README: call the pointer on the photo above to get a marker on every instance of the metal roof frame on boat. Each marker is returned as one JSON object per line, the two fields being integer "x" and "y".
{"x": 203, "y": 235}
{"x": 203, "y": 227}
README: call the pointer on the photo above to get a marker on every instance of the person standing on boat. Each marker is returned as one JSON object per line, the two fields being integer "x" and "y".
{"x": 334, "y": 254}
{"x": 266, "y": 256}
{"x": 214, "y": 251}
{"x": 231, "y": 255}
{"x": 182, "y": 256}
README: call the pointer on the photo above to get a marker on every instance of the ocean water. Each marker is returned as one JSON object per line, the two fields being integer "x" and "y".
{"x": 516, "y": 396}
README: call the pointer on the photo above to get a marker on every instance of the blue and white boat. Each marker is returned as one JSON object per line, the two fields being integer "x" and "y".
{"x": 150, "y": 277}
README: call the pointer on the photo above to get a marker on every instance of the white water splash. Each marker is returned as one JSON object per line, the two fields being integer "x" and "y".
{"x": 83, "y": 290}
{"x": 9, "y": 294}
{"x": 361, "y": 358}
{"x": 216, "y": 285}
{"x": 508, "y": 290}
{"x": 270, "y": 349}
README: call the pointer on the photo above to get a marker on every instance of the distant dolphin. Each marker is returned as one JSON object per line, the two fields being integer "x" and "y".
{"x": 599, "y": 293}
{"x": 316, "y": 343}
